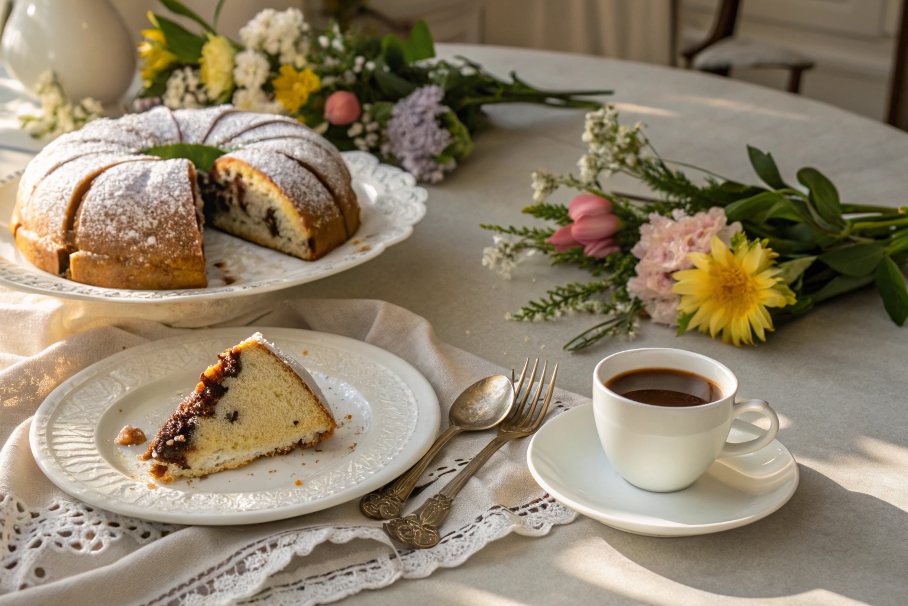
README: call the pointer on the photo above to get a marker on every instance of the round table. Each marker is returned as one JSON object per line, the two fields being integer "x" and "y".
{"x": 836, "y": 377}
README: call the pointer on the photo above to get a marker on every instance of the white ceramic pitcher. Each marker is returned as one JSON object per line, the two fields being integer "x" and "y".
{"x": 85, "y": 42}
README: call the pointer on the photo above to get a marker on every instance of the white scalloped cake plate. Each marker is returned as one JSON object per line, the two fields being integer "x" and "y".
{"x": 386, "y": 410}
{"x": 568, "y": 461}
{"x": 390, "y": 202}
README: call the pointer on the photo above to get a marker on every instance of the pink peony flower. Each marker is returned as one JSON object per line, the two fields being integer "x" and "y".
{"x": 663, "y": 248}
{"x": 593, "y": 227}
{"x": 342, "y": 107}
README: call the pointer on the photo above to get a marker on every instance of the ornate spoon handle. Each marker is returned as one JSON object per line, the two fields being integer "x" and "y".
{"x": 387, "y": 503}
{"x": 419, "y": 530}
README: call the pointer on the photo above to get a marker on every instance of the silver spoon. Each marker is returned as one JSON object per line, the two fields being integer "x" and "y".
{"x": 482, "y": 405}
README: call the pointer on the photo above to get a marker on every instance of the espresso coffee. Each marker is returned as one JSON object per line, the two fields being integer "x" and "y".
{"x": 665, "y": 387}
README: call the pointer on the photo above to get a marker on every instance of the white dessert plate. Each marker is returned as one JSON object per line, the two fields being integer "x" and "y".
{"x": 386, "y": 410}
{"x": 390, "y": 201}
{"x": 568, "y": 461}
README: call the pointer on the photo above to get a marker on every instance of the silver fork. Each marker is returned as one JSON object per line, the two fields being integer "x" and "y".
{"x": 419, "y": 530}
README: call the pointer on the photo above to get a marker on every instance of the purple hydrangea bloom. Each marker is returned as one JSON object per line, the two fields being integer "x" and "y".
{"x": 415, "y": 136}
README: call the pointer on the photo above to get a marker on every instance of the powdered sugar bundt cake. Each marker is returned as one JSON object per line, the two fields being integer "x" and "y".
{"x": 256, "y": 401}
{"x": 98, "y": 206}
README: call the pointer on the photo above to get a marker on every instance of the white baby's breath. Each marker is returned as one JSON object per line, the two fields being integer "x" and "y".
{"x": 58, "y": 115}
{"x": 612, "y": 147}
{"x": 185, "y": 90}
{"x": 544, "y": 184}
{"x": 251, "y": 69}
{"x": 505, "y": 254}
{"x": 257, "y": 100}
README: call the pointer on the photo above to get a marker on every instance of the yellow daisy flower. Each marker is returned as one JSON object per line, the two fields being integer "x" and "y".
{"x": 729, "y": 290}
{"x": 216, "y": 66}
{"x": 154, "y": 51}
{"x": 292, "y": 88}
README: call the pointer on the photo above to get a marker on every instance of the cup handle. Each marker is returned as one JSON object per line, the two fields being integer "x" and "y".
{"x": 753, "y": 405}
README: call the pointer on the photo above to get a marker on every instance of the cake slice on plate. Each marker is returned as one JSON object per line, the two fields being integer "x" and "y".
{"x": 255, "y": 401}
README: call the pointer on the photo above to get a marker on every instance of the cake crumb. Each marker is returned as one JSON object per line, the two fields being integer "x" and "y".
{"x": 121, "y": 410}
{"x": 299, "y": 482}
{"x": 348, "y": 417}
{"x": 305, "y": 352}
{"x": 316, "y": 450}
{"x": 365, "y": 248}
{"x": 152, "y": 486}
{"x": 130, "y": 436}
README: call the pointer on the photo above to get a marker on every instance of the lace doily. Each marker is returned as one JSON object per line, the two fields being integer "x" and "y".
{"x": 28, "y": 535}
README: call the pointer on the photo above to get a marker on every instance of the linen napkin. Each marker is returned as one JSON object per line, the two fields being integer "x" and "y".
{"x": 54, "y": 548}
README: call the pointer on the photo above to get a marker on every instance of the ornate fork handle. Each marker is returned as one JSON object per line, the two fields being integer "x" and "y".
{"x": 387, "y": 503}
{"x": 419, "y": 530}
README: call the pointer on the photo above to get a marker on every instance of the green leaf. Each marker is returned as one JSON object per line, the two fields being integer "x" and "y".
{"x": 823, "y": 195}
{"x": 217, "y": 14}
{"x": 858, "y": 260}
{"x": 891, "y": 285}
{"x": 766, "y": 168}
{"x": 792, "y": 270}
{"x": 393, "y": 85}
{"x": 157, "y": 86}
{"x": 762, "y": 207}
{"x": 175, "y": 6}
{"x": 392, "y": 51}
{"x": 840, "y": 285}
{"x": 203, "y": 156}
{"x": 181, "y": 42}
{"x": 462, "y": 145}
{"x": 748, "y": 207}
{"x": 683, "y": 323}
{"x": 420, "y": 45}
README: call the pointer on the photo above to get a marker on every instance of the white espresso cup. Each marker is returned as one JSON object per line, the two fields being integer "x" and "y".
{"x": 661, "y": 448}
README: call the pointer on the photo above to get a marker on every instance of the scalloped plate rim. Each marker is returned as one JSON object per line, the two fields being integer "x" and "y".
{"x": 419, "y": 441}
{"x": 97, "y": 293}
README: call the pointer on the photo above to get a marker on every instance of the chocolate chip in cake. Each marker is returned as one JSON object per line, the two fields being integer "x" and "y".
{"x": 271, "y": 222}
{"x": 232, "y": 417}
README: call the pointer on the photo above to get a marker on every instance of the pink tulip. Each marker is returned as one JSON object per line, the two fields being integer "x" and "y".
{"x": 588, "y": 205}
{"x": 342, "y": 107}
{"x": 601, "y": 249}
{"x": 593, "y": 228}
{"x": 563, "y": 240}
{"x": 590, "y": 230}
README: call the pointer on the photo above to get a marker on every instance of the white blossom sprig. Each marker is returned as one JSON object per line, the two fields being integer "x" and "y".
{"x": 58, "y": 115}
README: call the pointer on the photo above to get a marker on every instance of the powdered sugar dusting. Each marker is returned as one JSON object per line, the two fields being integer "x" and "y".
{"x": 194, "y": 124}
{"x": 158, "y": 124}
{"x": 237, "y": 123}
{"x": 144, "y": 211}
{"x": 48, "y": 209}
{"x": 275, "y": 130}
{"x": 306, "y": 192}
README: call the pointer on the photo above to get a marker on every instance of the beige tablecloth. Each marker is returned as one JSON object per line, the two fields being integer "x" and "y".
{"x": 836, "y": 376}
{"x": 53, "y": 547}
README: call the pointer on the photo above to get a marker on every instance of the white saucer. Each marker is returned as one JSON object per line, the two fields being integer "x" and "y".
{"x": 568, "y": 461}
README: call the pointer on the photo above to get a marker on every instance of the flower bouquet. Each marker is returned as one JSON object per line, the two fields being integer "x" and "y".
{"x": 386, "y": 96}
{"x": 723, "y": 257}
